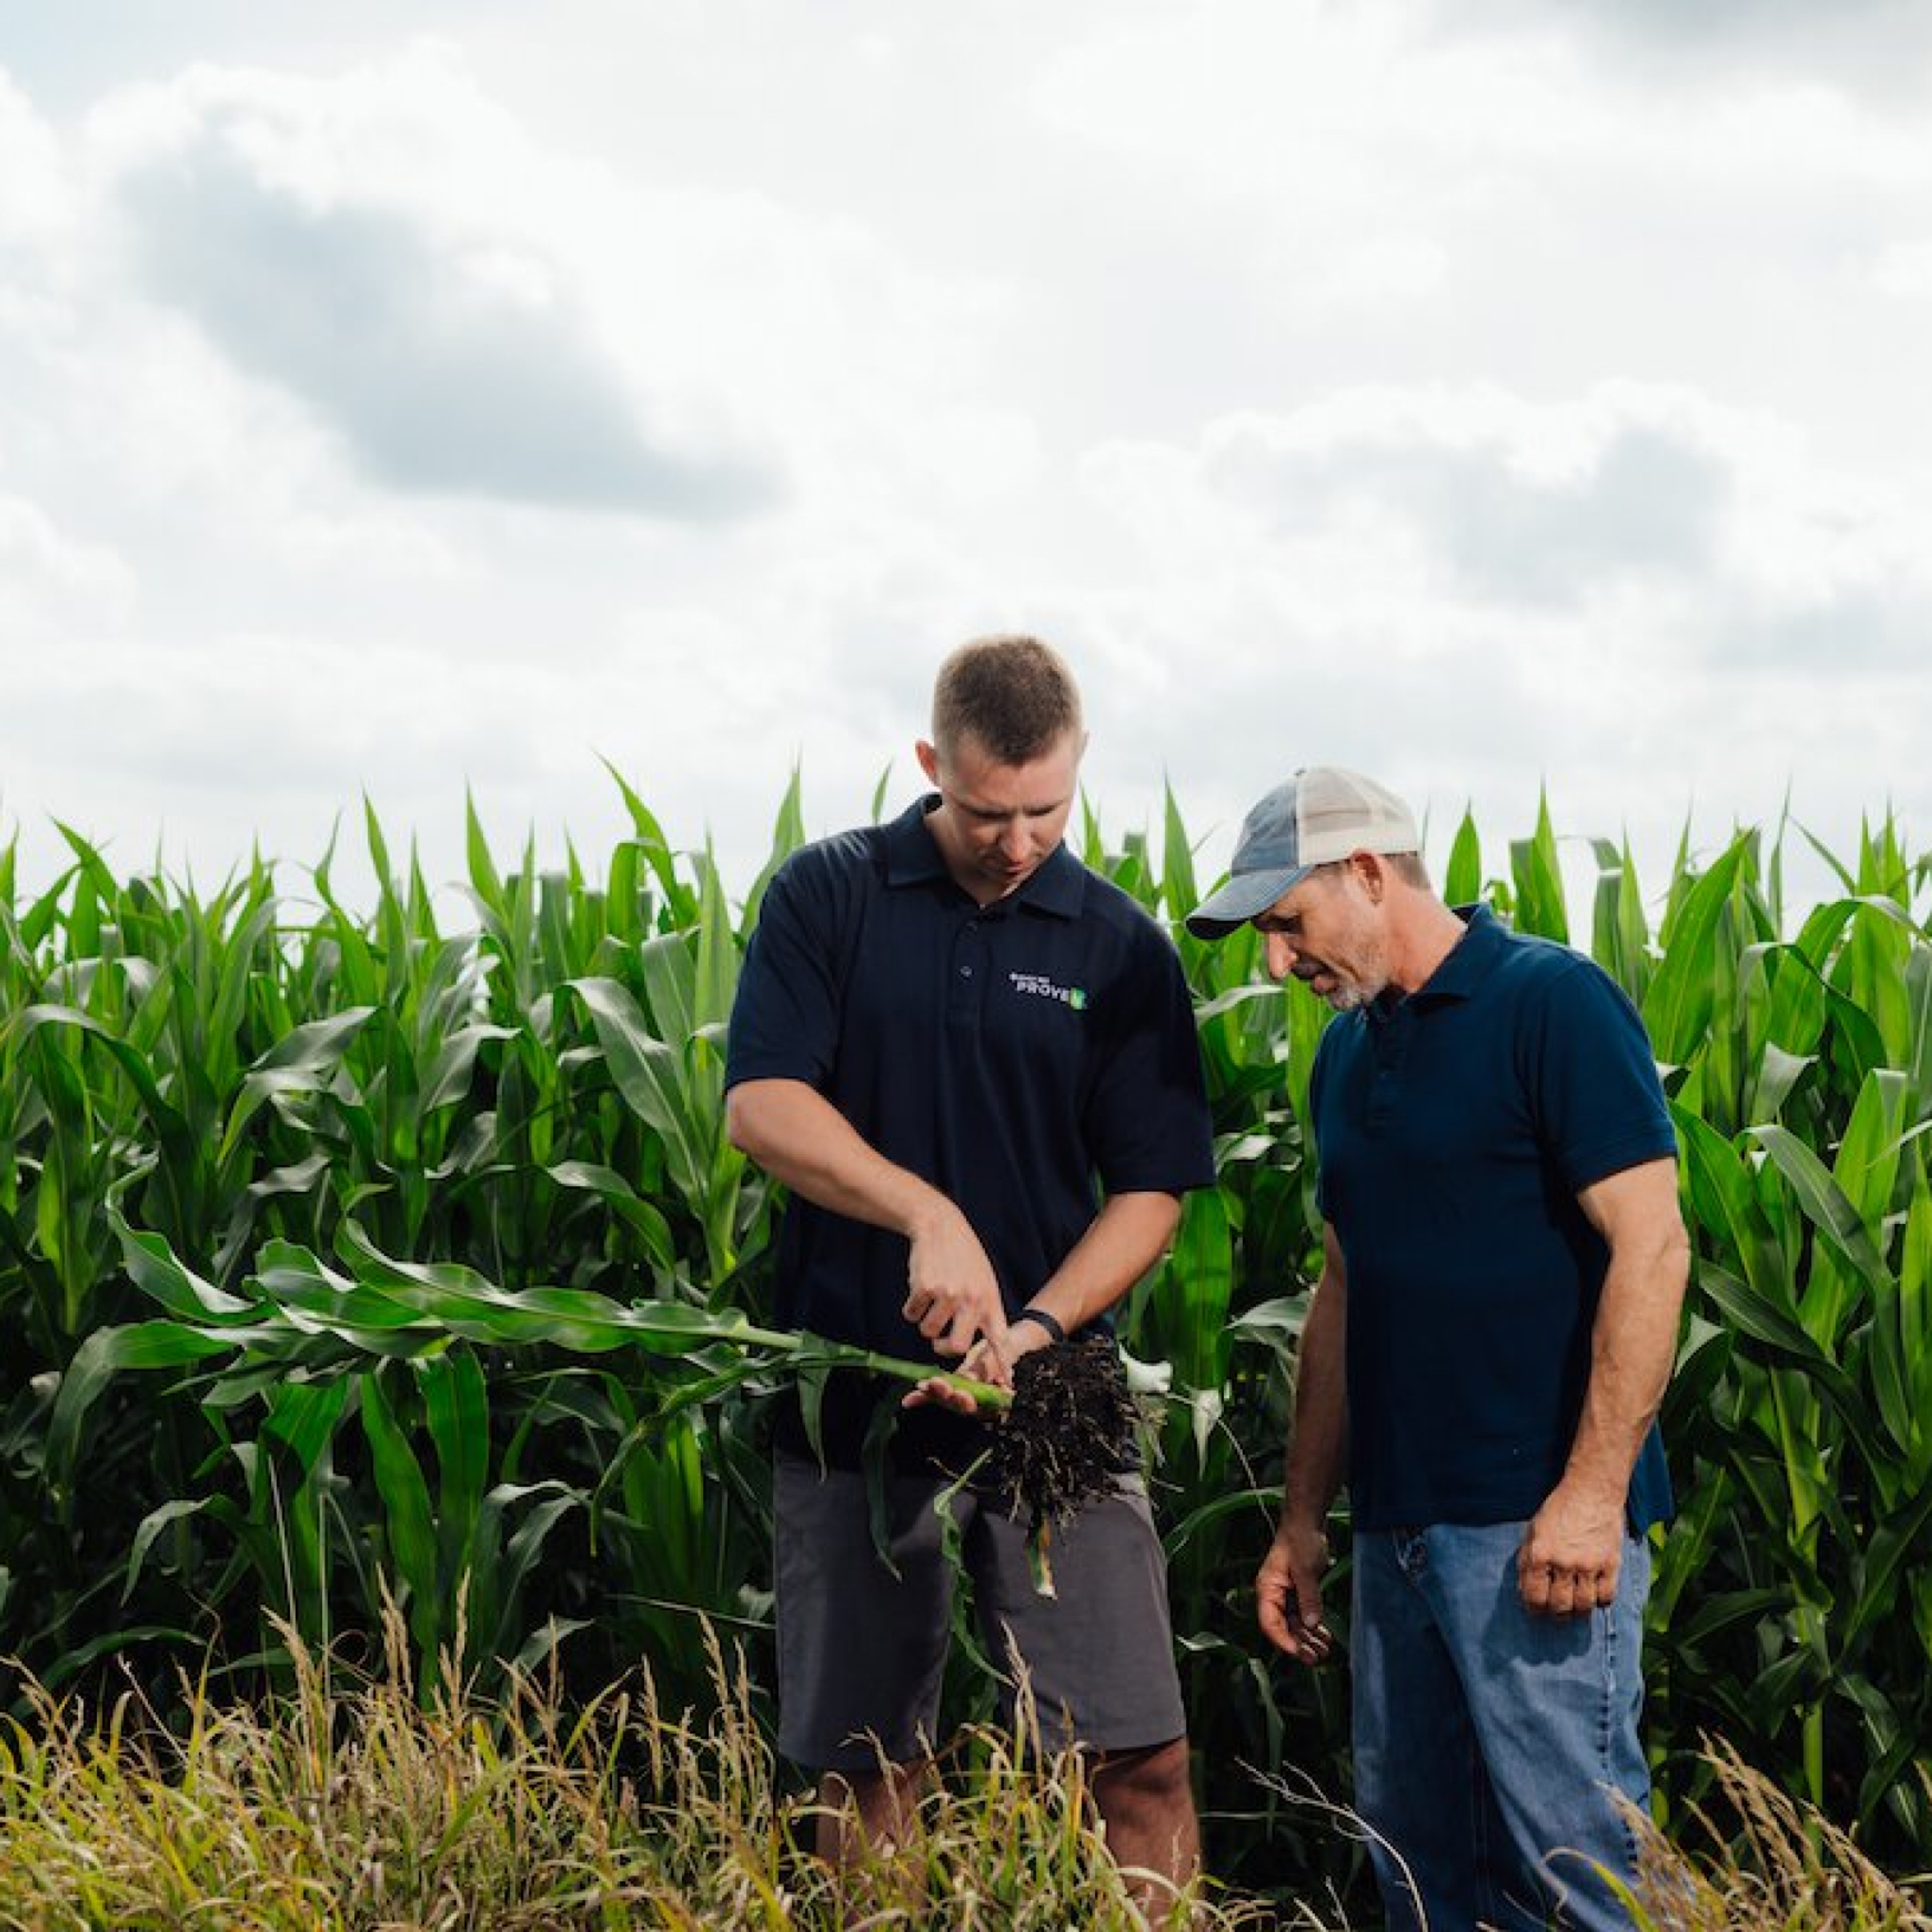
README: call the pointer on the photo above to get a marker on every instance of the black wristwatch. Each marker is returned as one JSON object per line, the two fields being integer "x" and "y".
{"x": 1050, "y": 1323}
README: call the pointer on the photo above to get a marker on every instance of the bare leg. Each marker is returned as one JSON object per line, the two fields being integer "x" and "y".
{"x": 1146, "y": 1803}
{"x": 862, "y": 1811}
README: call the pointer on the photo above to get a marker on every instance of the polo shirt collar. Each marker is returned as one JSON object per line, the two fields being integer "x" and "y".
{"x": 1059, "y": 886}
{"x": 1469, "y": 960}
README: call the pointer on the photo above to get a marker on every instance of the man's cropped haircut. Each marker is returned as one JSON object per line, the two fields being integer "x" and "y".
{"x": 1013, "y": 696}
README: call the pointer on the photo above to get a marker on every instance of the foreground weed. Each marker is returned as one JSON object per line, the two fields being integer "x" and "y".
{"x": 1783, "y": 1866}
{"x": 365, "y": 1803}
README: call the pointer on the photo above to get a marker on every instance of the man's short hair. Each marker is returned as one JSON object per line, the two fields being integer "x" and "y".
{"x": 1409, "y": 867}
{"x": 1013, "y": 696}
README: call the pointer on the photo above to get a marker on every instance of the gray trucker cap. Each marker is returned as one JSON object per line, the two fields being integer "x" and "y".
{"x": 1321, "y": 815}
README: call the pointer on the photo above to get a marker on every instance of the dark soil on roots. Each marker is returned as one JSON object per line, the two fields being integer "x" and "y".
{"x": 1069, "y": 1432}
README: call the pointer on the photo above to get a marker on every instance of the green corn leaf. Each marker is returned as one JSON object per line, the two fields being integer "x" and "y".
{"x": 485, "y": 881}
{"x": 151, "y": 1266}
{"x": 788, "y": 834}
{"x": 1917, "y": 1063}
{"x": 99, "y": 1358}
{"x": 1724, "y": 1202}
{"x": 1199, "y": 1285}
{"x": 151, "y": 1526}
{"x": 469, "y": 1304}
{"x": 1778, "y": 1331}
{"x": 1179, "y": 891}
{"x": 1898, "y": 1542}
{"x": 456, "y": 1405}
{"x": 648, "y": 1074}
{"x": 1462, "y": 882}
{"x": 1825, "y": 1204}
{"x": 303, "y": 1418}
{"x": 1714, "y": 1615}
{"x": 29, "y": 1020}
{"x": 669, "y": 971}
{"x": 679, "y": 902}
{"x": 1538, "y": 875}
{"x": 409, "y": 1524}
{"x": 714, "y": 981}
{"x": 1678, "y": 1009}
{"x": 554, "y": 1501}
{"x": 453, "y": 1069}
{"x": 301, "y": 1062}
{"x": 644, "y": 1220}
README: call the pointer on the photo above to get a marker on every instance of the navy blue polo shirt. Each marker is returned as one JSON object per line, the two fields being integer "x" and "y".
{"x": 1455, "y": 1127}
{"x": 1024, "y": 1058}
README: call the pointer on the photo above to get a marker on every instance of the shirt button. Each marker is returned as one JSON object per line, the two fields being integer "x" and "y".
{"x": 965, "y": 972}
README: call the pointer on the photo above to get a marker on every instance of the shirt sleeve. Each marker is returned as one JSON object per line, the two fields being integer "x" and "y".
{"x": 1601, "y": 1105}
{"x": 1146, "y": 1118}
{"x": 784, "y": 1016}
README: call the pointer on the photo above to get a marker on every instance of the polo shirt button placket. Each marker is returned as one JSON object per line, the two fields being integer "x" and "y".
{"x": 1391, "y": 1043}
{"x": 969, "y": 946}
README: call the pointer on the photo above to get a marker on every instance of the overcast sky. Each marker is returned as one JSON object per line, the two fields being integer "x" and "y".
{"x": 1493, "y": 395}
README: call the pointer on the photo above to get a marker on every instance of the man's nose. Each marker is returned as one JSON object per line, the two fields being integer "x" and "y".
{"x": 1280, "y": 955}
{"x": 1013, "y": 840}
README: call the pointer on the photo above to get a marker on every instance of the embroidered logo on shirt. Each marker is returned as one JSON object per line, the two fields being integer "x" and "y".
{"x": 1043, "y": 988}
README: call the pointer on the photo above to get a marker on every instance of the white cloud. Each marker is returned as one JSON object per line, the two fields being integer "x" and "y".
{"x": 1389, "y": 496}
{"x": 1314, "y": 109}
{"x": 1881, "y": 47}
{"x": 1468, "y": 592}
{"x": 53, "y": 584}
{"x": 1482, "y": 396}
{"x": 1904, "y": 270}
{"x": 35, "y": 195}
{"x": 1384, "y": 270}
{"x": 320, "y": 236}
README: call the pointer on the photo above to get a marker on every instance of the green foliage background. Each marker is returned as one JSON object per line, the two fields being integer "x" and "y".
{"x": 338, "y": 1246}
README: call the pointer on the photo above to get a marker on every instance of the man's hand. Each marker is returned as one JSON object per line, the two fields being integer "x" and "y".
{"x": 1571, "y": 1554}
{"x": 953, "y": 1296}
{"x": 987, "y": 1361}
{"x": 1287, "y": 1592}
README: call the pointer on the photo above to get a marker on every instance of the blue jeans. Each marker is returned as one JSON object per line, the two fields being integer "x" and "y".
{"x": 1487, "y": 1740}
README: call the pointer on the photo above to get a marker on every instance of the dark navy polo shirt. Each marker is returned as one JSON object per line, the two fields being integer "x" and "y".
{"x": 1024, "y": 1058}
{"x": 1455, "y": 1127}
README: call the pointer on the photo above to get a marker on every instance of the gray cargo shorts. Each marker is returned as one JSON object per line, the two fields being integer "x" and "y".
{"x": 861, "y": 1653}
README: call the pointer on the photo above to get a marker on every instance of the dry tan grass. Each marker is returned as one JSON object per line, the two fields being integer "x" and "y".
{"x": 1770, "y": 1865}
{"x": 355, "y": 1803}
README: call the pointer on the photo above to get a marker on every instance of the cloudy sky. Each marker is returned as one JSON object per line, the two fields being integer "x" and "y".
{"x": 1493, "y": 394}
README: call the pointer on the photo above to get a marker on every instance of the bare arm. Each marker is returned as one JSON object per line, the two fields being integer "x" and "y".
{"x": 795, "y": 1135}
{"x": 1124, "y": 1239}
{"x": 1573, "y": 1548}
{"x": 1288, "y": 1585}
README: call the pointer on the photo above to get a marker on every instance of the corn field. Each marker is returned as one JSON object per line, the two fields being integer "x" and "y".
{"x": 348, "y": 1253}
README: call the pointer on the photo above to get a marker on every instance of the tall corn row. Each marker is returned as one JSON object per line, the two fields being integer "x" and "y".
{"x": 232, "y": 1138}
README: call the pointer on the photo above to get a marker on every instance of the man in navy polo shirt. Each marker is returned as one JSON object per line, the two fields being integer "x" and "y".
{"x": 1483, "y": 1362}
{"x": 972, "y": 1062}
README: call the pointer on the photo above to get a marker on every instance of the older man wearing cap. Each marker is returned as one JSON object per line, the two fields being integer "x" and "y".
{"x": 1482, "y": 1363}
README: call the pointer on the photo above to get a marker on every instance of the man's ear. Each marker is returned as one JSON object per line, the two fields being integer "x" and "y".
{"x": 928, "y": 756}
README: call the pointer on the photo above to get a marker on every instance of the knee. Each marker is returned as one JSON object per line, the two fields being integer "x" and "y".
{"x": 1159, "y": 1775}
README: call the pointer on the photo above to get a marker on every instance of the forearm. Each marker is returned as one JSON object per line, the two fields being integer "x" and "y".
{"x": 1633, "y": 1344}
{"x": 1288, "y": 1589}
{"x": 797, "y": 1136}
{"x": 952, "y": 1295}
{"x": 1317, "y": 1443}
{"x": 1572, "y": 1552}
{"x": 1126, "y": 1238}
